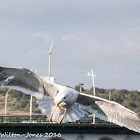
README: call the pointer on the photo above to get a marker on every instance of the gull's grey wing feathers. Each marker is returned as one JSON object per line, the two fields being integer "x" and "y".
{"x": 25, "y": 80}
{"x": 110, "y": 111}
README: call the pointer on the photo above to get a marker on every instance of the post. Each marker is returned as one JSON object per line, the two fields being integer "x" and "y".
{"x": 6, "y": 97}
{"x": 80, "y": 89}
{"x": 50, "y": 52}
{"x": 49, "y": 71}
{"x": 109, "y": 95}
{"x": 92, "y": 75}
{"x": 31, "y": 107}
{"x": 81, "y": 84}
{"x": 93, "y": 93}
{"x": 93, "y": 82}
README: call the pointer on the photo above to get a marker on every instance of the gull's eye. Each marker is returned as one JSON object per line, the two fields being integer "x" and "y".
{"x": 57, "y": 92}
{"x": 64, "y": 97}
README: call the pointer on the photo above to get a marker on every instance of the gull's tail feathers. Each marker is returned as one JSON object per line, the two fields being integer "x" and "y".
{"x": 46, "y": 105}
{"x": 74, "y": 113}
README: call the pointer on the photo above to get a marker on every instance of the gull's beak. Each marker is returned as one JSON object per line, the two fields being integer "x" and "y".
{"x": 58, "y": 103}
{"x": 56, "y": 106}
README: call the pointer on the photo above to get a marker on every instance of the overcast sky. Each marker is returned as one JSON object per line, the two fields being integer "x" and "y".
{"x": 99, "y": 34}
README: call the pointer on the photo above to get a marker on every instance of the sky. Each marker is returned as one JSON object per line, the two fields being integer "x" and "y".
{"x": 99, "y": 34}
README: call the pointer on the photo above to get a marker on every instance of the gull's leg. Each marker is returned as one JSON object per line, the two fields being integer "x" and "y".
{"x": 49, "y": 119}
{"x": 62, "y": 116}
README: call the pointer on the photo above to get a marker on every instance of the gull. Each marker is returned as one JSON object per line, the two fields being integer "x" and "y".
{"x": 64, "y": 104}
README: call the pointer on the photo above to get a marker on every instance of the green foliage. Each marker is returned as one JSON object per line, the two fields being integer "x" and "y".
{"x": 78, "y": 88}
{"x": 18, "y": 101}
{"x": 3, "y": 91}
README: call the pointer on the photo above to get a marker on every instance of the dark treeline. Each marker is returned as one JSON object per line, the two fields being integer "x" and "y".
{"x": 21, "y": 102}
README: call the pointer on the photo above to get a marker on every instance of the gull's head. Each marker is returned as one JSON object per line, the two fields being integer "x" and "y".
{"x": 61, "y": 96}
{"x": 65, "y": 96}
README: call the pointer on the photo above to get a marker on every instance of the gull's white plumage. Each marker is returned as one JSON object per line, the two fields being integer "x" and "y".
{"x": 48, "y": 94}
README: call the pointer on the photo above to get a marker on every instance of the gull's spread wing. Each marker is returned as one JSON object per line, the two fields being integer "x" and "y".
{"x": 110, "y": 111}
{"x": 27, "y": 81}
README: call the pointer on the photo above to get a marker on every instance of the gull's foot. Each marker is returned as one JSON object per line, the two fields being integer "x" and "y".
{"x": 61, "y": 119}
{"x": 49, "y": 119}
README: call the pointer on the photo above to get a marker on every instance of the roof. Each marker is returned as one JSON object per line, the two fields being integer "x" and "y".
{"x": 66, "y": 128}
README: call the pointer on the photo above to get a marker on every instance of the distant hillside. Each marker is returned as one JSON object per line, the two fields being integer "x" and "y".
{"x": 129, "y": 99}
{"x": 19, "y": 103}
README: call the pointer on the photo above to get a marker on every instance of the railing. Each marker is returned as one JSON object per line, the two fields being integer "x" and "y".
{"x": 42, "y": 119}
{"x": 24, "y": 119}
